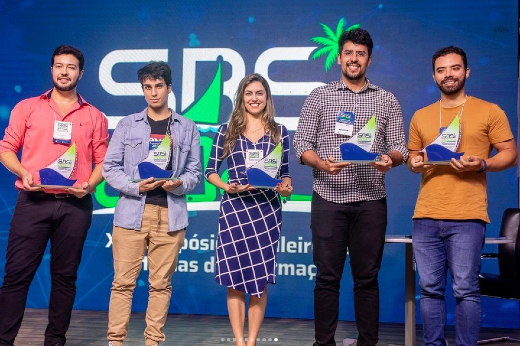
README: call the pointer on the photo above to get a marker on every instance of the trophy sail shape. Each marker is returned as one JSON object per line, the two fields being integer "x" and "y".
{"x": 57, "y": 174}
{"x": 156, "y": 162}
{"x": 443, "y": 148}
{"x": 357, "y": 148}
{"x": 263, "y": 173}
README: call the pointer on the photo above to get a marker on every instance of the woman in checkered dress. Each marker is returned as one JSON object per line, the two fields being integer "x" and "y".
{"x": 250, "y": 219}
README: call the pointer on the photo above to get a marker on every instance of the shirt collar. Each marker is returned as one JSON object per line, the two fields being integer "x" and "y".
{"x": 47, "y": 96}
{"x": 340, "y": 85}
{"x": 144, "y": 115}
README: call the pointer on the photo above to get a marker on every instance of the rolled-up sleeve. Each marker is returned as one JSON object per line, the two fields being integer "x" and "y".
{"x": 15, "y": 131}
{"x": 99, "y": 138}
{"x": 284, "y": 168}
{"x": 305, "y": 137}
{"x": 395, "y": 137}
{"x": 217, "y": 148}
{"x": 113, "y": 165}
{"x": 192, "y": 171}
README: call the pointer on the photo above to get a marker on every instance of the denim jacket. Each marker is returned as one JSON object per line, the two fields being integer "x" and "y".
{"x": 129, "y": 146}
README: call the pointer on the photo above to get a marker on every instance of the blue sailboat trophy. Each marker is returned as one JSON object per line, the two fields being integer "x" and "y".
{"x": 443, "y": 148}
{"x": 262, "y": 175}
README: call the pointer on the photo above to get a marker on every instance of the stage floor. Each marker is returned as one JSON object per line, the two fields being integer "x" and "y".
{"x": 89, "y": 328}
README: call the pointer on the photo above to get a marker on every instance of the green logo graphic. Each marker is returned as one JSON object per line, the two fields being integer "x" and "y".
{"x": 204, "y": 111}
{"x": 330, "y": 42}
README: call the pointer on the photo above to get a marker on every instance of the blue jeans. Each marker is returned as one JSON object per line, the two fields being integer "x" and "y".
{"x": 439, "y": 245}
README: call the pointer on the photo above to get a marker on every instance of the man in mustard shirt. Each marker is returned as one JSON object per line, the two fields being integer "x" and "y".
{"x": 449, "y": 222}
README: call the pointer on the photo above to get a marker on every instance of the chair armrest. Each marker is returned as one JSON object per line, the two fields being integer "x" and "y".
{"x": 488, "y": 255}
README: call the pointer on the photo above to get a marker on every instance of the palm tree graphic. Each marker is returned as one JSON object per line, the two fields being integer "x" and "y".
{"x": 330, "y": 42}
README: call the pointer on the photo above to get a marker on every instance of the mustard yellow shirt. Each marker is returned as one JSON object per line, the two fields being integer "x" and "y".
{"x": 444, "y": 193}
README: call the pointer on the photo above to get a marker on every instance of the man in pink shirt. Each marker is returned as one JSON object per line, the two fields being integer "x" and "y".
{"x": 64, "y": 141}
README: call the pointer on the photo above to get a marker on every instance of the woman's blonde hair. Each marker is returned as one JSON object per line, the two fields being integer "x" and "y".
{"x": 237, "y": 120}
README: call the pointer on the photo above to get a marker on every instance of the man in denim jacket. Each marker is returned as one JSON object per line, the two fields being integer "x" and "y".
{"x": 151, "y": 212}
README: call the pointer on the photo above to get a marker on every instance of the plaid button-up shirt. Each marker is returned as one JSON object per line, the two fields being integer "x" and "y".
{"x": 358, "y": 182}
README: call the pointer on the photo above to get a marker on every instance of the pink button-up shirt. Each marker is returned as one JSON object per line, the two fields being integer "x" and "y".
{"x": 32, "y": 125}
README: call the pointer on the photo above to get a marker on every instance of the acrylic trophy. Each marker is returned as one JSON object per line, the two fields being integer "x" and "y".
{"x": 57, "y": 174}
{"x": 156, "y": 162}
{"x": 357, "y": 148}
{"x": 262, "y": 174}
{"x": 443, "y": 148}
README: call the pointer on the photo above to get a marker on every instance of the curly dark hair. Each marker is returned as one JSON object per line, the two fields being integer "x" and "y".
{"x": 450, "y": 50}
{"x": 155, "y": 70}
{"x": 357, "y": 36}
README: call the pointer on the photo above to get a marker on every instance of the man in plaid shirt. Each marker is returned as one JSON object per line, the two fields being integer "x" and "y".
{"x": 349, "y": 213}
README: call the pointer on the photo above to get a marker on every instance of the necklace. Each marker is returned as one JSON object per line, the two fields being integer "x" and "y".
{"x": 458, "y": 114}
{"x": 253, "y": 131}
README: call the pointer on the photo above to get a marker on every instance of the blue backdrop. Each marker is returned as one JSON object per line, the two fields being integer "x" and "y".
{"x": 210, "y": 46}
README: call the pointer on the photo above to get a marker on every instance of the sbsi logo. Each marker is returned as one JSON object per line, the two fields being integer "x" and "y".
{"x": 205, "y": 111}
{"x": 64, "y": 161}
{"x": 193, "y": 56}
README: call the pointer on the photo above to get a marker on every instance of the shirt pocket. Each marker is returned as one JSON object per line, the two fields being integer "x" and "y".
{"x": 82, "y": 132}
{"x": 133, "y": 150}
{"x": 184, "y": 149}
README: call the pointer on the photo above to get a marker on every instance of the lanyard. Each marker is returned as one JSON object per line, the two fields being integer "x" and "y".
{"x": 459, "y": 114}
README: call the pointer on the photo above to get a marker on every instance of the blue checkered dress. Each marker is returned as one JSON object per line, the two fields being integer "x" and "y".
{"x": 250, "y": 221}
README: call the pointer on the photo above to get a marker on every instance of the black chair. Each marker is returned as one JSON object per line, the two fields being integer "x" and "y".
{"x": 507, "y": 283}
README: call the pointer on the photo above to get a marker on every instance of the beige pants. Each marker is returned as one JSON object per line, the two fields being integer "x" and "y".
{"x": 128, "y": 248}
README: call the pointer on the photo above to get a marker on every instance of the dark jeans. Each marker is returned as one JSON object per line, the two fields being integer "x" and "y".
{"x": 359, "y": 228}
{"x": 37, "y": 218}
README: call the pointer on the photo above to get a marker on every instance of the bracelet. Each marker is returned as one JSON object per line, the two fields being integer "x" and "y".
{"x": 483, "y": 169}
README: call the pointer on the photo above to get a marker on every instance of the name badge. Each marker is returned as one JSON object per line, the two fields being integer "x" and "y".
{"x": 62, "y": 132}
{"x": 344, "y": 123}
{"x": 253, "y": 156}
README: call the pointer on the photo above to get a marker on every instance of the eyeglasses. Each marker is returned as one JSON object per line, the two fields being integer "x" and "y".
{"x": 359, "y": 54}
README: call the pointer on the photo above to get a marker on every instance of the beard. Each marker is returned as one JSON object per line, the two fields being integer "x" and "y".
{"x": 453, "y": 89}
{"x": 69, "y": 87}
{"x": 356, "y": 76}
